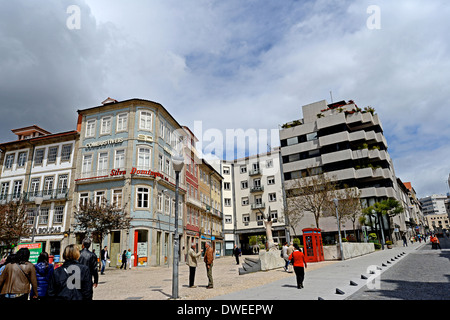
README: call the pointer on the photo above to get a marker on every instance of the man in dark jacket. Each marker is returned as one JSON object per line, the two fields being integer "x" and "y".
{"x": 89, "y": 259}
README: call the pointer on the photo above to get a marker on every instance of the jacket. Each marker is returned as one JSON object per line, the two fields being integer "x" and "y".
{"x": 89, "y": 259}
{"x": 13, "y": 280}
{"x": 209, "y": 256}
{"x": 299, "y": 258}
{"x": 192, "y": 258}
{"x": 71, "y": 281}
{"x": 102, "y": 254}
{"x": 43, "y": 275}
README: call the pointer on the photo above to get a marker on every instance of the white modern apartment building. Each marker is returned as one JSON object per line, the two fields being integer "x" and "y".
{"x": 435, "y": 211}
{"x": 347, "y": 144}
{"x": 252, "y": 192}
{"x": 41, "y": 164}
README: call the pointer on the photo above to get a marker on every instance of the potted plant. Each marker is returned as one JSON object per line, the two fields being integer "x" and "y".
{"x": 389, "y": 244}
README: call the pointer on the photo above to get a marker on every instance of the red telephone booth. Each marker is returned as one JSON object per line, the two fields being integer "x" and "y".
{"x": 312, "y": 245}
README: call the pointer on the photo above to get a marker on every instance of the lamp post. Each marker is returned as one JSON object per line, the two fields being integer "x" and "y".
{"x": 38, "y": 202}
{"x": 336, "y": 202}
{"x": 178, "y": 163}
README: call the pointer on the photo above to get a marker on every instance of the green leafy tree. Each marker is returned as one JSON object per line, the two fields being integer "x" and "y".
{"x": 13, "y": 222}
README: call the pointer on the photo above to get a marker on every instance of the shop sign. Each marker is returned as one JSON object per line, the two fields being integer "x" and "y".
{"x": 47, "y": 230}
{"x": 104, "y": 143}
{"x": 118, "y": 172}
{"x": 35, "y": 250}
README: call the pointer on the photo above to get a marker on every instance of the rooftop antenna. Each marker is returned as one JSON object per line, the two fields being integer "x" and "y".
{"x": 331, "y": 95}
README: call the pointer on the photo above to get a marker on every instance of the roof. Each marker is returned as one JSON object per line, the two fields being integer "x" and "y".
{"x": 40, "y": 138}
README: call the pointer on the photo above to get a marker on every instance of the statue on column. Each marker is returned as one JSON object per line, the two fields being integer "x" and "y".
{"x": 270, "y": 244}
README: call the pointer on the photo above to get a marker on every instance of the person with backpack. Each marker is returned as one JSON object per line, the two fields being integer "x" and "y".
{"x": 44, "y": 272}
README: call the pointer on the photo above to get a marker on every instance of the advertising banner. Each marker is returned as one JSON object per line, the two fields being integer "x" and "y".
{"x": 35, "y": 250}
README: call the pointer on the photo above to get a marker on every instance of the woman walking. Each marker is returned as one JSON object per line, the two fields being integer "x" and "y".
{"x": 297, "y": 259}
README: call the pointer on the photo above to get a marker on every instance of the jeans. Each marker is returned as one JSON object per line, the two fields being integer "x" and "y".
{"x": 103, "y": 265}
{"x": 209, "y": 273}
{"x": 191, "y": 276}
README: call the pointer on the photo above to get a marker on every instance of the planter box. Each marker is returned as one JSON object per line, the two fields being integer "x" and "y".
{"x": 350, "y": 250}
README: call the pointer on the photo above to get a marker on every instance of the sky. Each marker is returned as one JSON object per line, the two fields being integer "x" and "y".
{"x": 236, "y": 65}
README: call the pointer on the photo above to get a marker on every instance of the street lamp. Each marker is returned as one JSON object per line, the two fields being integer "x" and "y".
{"x": 336, "y": 202}
{"x": 178, "y": 163}
{"x": 38, "y": 202}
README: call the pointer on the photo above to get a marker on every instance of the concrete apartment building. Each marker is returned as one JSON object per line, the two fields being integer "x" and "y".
{"x": 347, "y": 144}
{"x": 252, "y": 191}
{"x": 435, "y": 212}
{"x": 41, "y": 164}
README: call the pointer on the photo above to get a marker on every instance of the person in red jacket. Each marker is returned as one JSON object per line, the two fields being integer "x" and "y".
{"x": 297, "y": 259}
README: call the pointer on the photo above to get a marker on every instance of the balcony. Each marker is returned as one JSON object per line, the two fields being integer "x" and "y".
{"x": 257, "y": 189}
{"x": 255, "y": 172}
{"x": 256, "y": 206}
{"x": 54, "y": 194}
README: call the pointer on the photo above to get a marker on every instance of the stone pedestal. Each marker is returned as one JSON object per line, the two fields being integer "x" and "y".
{"x": 271, "y": 260}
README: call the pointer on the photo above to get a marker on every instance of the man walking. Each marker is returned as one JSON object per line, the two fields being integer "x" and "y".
{"x": 89, "y": 259}
{"x": 104, "y": 256}
{"x": 237, "y": 253}
{"x": 209, "y": 257}
{"x": 192, "y": 263}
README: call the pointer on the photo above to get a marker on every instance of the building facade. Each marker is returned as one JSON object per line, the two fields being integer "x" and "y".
{"x": 125, "y": 156}
{"x": 345, "y": 143}
{"x": 40, "y": 164}
{"x": 253, "y": 192}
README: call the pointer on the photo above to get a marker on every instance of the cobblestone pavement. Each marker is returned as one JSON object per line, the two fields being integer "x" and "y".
{"x": 155, "y": 283}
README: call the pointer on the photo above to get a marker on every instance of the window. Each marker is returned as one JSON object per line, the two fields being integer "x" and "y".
{"x": 9, "y": 160}
{"x": 66, "y": 152}
{"x": 271, "y": 180}
{"x": 245, "y": 201}
{"x": 122, "y": 122}
{"x": 291, "y": 141}
{"x": 259, "y": 219}
{"x": 243, "y": 169}
{"x": 35, "y": 187}
{"x": 246, "y": 218}
{"x": 226, "y": 186}
{"x": 102, "y": 167}
{"x": 90, "y": 128}
{"x": 227, "y": 202}
{"x": 39, "y": 157}
{"x": 145, "y": 120}
{"x": 105, "y": 127}
{"x": 228, "y": 219}
{"x": 311, "y": 136}
{"x": 117, "y": 198}
{"x": 244, "y": 184}
{"x": 17, "y": 189}
{"x": 272, "y": 197}
{"x": 167, "y": 167}
{"x": 62, "y": 183}
{"x": 160, "y": 202}
{"x": 167, "y": 205}
{"x": 4, "y": 190}
{"x": 269, "y": 163}
{"x": 86, "y": 165}
{"x": 226, "y": 170}
{"x": 58, "y": 214}
{"x": 99, "y": 196}
{"x": 22, "y": 159}
{"x": 84, "y": 199}
{"x": 43, "y": 215}
{"x": 119, "y": 160}
{"x": 48, "y": 186}
{"x": 143, "y": 158}
{"x": 142, "y": 197}
{"x": 52, "y": 153}
{"x": 274, "y": 215}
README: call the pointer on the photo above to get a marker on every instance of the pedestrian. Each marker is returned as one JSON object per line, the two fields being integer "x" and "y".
{"x": 124, "y": 260}
{"x": 17, "y": 276}
{"x": 209, "y": 258}
{"x": 73, "y": 280}
{"x": 285, "y": 256}
{"x": 89, "y": 259}
{"x": 129, "y": 258}
{"x": 104, "y": 256}
{"x": 405, "y": 242}
{"x": 44, "y": 272}
{"x": 289, "y": 251}
{"x": 237, "y": 253}
{"x": 298, "y": 261}
{"x": 192, "y": 263}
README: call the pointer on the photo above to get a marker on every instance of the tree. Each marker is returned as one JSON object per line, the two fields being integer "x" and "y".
{"x": 349, "y": 205}
{"x": 13, "y": 222}
{"x": 310, "y": 194}
{"x": 99, "y": 219}
{"x": 388, "y": 207}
